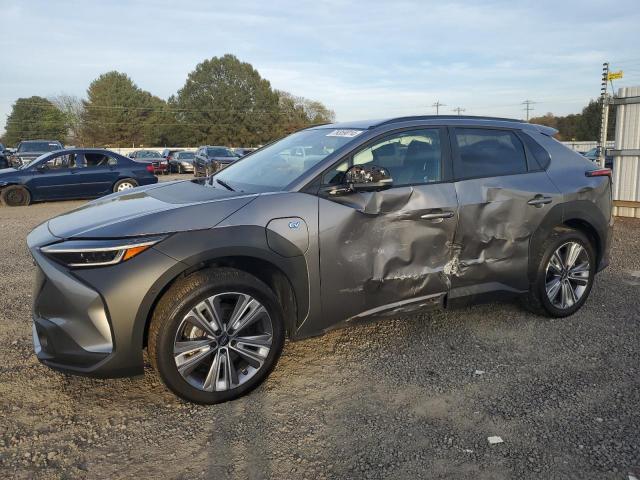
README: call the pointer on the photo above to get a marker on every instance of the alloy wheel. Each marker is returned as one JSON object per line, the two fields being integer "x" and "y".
{"x": 567, "y": 275}
{"x": 125, "y": 186}
{"x": 223, "y": 341}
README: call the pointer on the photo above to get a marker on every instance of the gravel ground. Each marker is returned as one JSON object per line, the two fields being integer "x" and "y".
{"x": 412, "y": 397}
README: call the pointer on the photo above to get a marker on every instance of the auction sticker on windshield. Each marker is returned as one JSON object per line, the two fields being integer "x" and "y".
{"x": 344, "y": 133}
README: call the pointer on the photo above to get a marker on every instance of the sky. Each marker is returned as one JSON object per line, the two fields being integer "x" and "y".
{"x": 363, "y": 59}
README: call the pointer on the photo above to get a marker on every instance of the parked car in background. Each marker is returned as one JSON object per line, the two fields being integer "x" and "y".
{"x": 182, "y": 162}
{"x": 326, "y": 227}
{"x": 27, "y": 150}
{"x": 241, "y": 152}
{"x": 160, "y": 164}
{"x": 593, "y": 156}
{"x": 4, "y": 161}
{"x": 71, "y": 174}
{"x": 211, "y": 159}
{"x": 168, "y": 154}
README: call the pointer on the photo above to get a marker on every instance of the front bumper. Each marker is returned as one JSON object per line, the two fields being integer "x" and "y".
{"x": 92, "y": 321}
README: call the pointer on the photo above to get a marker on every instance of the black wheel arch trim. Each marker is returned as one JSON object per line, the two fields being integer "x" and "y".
{"x": 237, "y": 247}
{"x": 581, "y": 214}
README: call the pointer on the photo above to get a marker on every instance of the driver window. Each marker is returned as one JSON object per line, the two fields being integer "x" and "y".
{"x": 412, "y": 157}
{"x": 63, "y": 161}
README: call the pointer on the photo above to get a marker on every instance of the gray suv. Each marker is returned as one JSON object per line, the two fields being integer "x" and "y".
{"x": 328, "y": 226}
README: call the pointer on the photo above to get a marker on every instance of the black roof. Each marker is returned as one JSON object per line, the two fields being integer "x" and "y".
{"x": 450, "y": 119}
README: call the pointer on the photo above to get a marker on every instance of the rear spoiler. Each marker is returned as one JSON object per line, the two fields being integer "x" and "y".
{"x": 543, "y": 129}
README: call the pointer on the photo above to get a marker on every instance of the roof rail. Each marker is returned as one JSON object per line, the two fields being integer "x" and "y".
{"x": 445, "y": 117}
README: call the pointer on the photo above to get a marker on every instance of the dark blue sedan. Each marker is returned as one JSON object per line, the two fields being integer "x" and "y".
{"x": 72, "y": 174}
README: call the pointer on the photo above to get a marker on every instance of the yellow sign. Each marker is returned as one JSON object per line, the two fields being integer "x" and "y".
{"x": 614, "y": 75}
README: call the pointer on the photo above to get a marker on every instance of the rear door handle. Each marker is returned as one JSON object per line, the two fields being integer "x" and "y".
{"x": 539, "y": 201}
{"x": 435, "y": 216}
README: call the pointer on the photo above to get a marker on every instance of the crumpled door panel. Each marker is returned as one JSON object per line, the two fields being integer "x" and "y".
{"x": 491, "y": 247}
{"x": 377, "y": 253}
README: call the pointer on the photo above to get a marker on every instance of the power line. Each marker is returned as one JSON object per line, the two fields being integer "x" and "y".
{"x": 437, "y": 106}
{"x": 459, "y": 110}
{"x": 528, "y": 107}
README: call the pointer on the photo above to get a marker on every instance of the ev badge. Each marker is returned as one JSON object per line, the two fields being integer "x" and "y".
{"x": 294, "y": 225}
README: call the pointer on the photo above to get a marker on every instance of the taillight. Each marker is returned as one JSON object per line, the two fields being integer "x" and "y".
{"x": 601, "y": 172}
{"x": 150, "y": 168}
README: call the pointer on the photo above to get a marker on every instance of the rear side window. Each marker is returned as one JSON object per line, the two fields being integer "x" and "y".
{"x": 488, "y": 153}
{"x": 540, "y": 155}
{"x": 96, "y": 160}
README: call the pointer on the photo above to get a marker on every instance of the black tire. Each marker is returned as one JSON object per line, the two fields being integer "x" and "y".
{"x": 15, "y": 196}
{"x": 537, "y": 300}
{"x": 119, "y": 185}
{"x": 179, "y": 300}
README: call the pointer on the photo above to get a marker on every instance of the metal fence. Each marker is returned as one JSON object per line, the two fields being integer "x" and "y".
{"x": 626, "y": 153}
{"x": 585, "y": 146}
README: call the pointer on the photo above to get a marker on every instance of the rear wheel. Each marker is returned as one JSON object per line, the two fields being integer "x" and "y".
{"x": 15, "y": 196}
{"x": 125, "y": 184}
{"x": 216, "y": 335}
{"x": 565, "y": 274}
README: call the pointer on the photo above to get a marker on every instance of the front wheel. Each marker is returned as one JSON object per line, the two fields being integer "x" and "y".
{"x": 15, "y": 196}
{"x": 216, "y": 335}
{"x": 565, "y": 274}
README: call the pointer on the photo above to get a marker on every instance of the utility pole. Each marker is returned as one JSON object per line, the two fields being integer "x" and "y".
{"x": 459, "y": 110}
{"x": 437, "y": 105}
{"x": 604, "y": 123}
{"x": 527, "y": 106}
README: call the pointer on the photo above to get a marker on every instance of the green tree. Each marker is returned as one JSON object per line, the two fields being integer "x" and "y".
{"x": 118, "y": 113}
{"x": 299, "y": 112}
{"x": 226, "y": 101}
{"x": 35, "y": 117}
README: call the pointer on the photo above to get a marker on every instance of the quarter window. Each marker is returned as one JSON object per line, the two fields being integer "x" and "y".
{"x": 411, "y": 157}
{"x": 488, "y": 153}
{"x": 540, "y": 155}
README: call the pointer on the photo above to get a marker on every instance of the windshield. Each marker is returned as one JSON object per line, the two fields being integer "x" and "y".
{"x": 147, "y": 154}
{"x": 220, "y": 152}
{"x": 185, "y": 155}
{"x": 38, "y": 147}
{"x": 34, "y": 161}
{"x": 277, "y": 165}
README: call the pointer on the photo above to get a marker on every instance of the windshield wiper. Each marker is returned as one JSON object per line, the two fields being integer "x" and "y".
{"x": 224, "y": 185}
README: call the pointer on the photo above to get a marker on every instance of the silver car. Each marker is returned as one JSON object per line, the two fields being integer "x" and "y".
{"x": 182, "y": 162}
{"x": 329, "y": 226}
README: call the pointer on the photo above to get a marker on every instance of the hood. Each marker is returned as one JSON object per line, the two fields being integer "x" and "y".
{"x": 149, "y": 160}
{"x": 161, "y": 208}
{"x": 29, "y": 154}
{"x": 5, "y": 171}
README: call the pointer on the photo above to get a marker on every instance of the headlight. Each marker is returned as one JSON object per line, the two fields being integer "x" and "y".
{"x": 97, "y": 253}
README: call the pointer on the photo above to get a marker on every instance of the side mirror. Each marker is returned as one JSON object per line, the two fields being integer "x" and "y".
{"x": 43, "y": 167}
{"x": 367, "y": 178}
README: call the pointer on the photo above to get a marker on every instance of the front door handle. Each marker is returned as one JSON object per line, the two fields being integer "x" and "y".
{"x": 436, "y": 216}
{"x": 539, "y": 200}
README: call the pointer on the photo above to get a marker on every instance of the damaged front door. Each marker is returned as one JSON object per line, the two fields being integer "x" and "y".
{"x": 385, "y": 252}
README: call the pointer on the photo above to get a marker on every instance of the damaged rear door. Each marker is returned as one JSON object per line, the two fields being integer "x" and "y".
{"x": 385, "y": 252}
{"x": 504, "y": 195}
